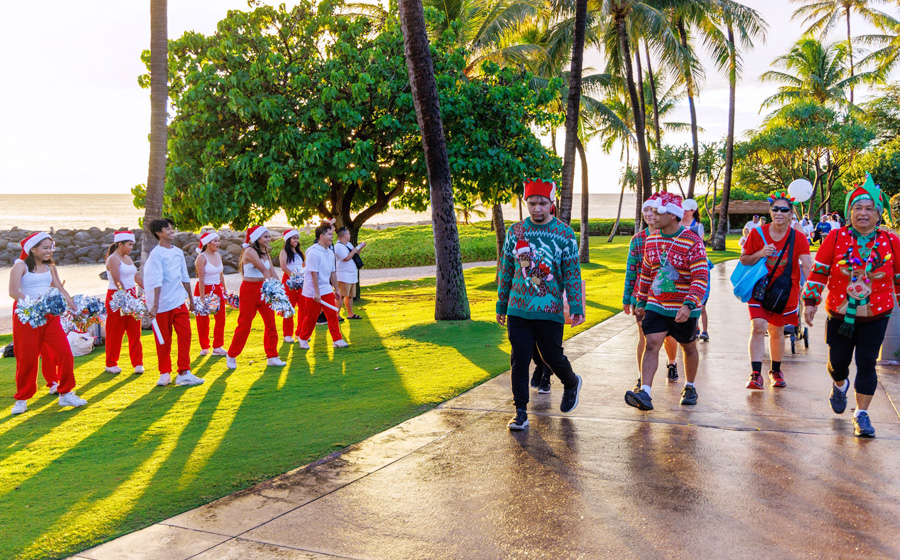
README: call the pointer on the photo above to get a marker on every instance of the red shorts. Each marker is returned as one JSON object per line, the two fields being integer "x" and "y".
{"x": 791, "y": 317}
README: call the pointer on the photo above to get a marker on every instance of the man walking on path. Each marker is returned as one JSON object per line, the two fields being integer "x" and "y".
{"x": 674, "y": 278}
{"x": 539, "y": 262}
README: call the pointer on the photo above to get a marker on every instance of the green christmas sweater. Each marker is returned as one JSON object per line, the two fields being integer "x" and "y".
{"x": 539, "y": 262}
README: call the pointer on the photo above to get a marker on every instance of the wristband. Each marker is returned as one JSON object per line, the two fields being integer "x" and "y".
{"x": 690, "y": 305}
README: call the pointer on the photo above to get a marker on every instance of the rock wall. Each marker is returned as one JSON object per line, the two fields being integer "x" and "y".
{"x": 89, "y": 246}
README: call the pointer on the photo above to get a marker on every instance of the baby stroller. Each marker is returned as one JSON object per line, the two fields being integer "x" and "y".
{"x": 797, "y": 332}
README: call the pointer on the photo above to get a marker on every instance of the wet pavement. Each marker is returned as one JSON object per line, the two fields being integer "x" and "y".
{"x": 747, "y": 474}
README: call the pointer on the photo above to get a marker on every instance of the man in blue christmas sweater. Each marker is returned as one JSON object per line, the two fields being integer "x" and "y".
{"x": 539, "y": 263}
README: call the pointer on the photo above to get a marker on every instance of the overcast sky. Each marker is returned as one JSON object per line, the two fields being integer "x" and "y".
{"x": 77, "y": 121}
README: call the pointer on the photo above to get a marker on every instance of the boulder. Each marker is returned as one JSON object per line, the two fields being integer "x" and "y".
{"x": 234, "y": 249}
{"x": 230, "y": 269}
{"x": 82, "y": 236}
{"x": 96, "y": 254}
{"x": 83, "y": 251}
{"x": 86, "y": 260}
{"x": 13, "y": 247}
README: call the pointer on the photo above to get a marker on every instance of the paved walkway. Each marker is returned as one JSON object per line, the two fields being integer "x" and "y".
{"x": 744, "y": 474}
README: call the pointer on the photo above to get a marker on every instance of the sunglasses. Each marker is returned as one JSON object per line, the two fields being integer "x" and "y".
{"x": 783, "y": 209}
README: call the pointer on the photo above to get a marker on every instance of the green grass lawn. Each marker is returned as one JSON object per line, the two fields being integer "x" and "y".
{"x": 137, "y": 453}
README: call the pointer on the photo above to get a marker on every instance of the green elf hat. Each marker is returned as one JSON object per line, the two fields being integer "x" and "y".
{"x": 867, "y": 191}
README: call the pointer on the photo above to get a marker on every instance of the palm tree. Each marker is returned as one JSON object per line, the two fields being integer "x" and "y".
{"x": 159, "y": 97}
{"x": 572, "y": 112}
{"x": 820, "y": 73}
{"x": 465, "y": 209}
{"x": 887, "y": 53}
{"x": 750, "y": 26}
{"x": 823, "y": 16}
{"x": 451, "y": 301}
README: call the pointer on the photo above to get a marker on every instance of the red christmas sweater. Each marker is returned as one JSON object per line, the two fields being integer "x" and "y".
{"x": 840, "y": 268}
{"x": 674, "y": 271}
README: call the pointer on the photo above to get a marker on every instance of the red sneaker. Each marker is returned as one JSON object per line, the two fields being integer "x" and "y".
{"x": 755, "y": 381}
{"x": 776, "y": 379}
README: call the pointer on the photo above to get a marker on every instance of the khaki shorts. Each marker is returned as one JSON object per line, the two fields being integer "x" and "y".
{"x": 347, "y": 289}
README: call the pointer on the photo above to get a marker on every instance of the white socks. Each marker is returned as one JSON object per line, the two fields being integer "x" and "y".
{"x": 857, "y": 412}
{"x": 646, "y": 389}
{"x": 843, "y": 388}
{"x": 688, "y": 384}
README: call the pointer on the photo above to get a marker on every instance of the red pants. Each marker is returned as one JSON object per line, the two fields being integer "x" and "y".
{"x": 117, "y": 325}
{"x": 30, "y": 344}
{"x": 203, "y": 320}
{"x": 311, "y": 310}
{"x": 180, "y": 319}
{"x": 49, "y": 366}
{"x": 250, "y": 304}
{"x": 295, "y": 297}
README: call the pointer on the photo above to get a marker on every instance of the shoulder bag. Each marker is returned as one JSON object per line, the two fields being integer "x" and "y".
{"x": 778, "y": 291}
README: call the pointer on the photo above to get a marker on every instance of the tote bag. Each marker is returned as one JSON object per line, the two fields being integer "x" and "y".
{"x": 745, "y": 277}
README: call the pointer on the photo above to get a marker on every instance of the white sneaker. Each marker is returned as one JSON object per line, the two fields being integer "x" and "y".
{"x": 289, "y": 340}
{"x": 340, "y": 343}
{"x": 71, "y": 399}
{"x": 188, "y": 378}
{"x": 304, "y": 344}
{"x": 52, "y": 389}
{"x": 138, "y": 370}
{"x": 230, "y": 363}
{"x": 20, "y": 407}
{"x": 204, "y": 352}
{"x": 164, "y": 379}
{"x": 115, "y": 370}
{"x": 276, "y": 362}
{"x": 220, "y": 351}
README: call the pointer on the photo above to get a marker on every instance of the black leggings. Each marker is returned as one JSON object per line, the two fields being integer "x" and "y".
{"x": 524, "y": 334}
{"x": 866, "y": 340}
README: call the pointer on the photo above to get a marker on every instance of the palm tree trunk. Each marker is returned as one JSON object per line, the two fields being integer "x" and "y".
{"x": 615, "y": 227}
{"x": 572, "y": 113}
{"x": 499, "y": 231}
{"x": 159, "y": 97}
{"x": 450, "y": 300}
{"x": 850, "y": 51}
{"x": 722, "y": 232}
{"x": 520, "y": 208}
{"x": 655, "y": 101}
{"x": 584, "y": 248}
{"x": 643, "y": 156}
{"x": 689, "y": 82}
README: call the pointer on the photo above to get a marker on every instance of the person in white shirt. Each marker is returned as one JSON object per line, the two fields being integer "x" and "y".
{"x": 753, "y": 223}
{"x": 168, "y": 284}
{"x": 319, "y": 284}
{"x": 211, "y": 280}
{"x": 689, "y": 220}
{"x": 123, "y": 275}
{"x": 292, "y": 260}
{"x": 347, "y": 271}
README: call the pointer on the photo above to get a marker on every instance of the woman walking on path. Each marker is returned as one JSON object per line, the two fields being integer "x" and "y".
{"x": 782, "y": 247}
{"x": 859, "y": 265}
{"x": 123, "y": 275}
{"x": 33, "y": 275}
{"x": 673, "y": 280}
{"x": 210, "y": 280}
{"x": 347, "y": 272}
{"x": 319, "y": 285}
{"x": 292, "y": 261}
{"x": 256, "y": 266}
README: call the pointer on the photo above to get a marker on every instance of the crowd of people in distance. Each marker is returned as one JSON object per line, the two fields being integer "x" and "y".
{"x": 311, "y": 280}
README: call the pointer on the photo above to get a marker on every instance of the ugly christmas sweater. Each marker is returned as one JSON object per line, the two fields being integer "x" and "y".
{"x": 539, "y": 262}
{"x": 673, "y": 272}
{"x": 867, "y": 280}
{"x": 633, "y": 265}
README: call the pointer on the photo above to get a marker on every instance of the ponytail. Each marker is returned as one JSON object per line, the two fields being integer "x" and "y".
{"x": 112, "y": 249}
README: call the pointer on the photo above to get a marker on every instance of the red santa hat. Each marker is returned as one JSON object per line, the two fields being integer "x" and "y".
{"x": 545, "y": 269}
{"x": 650, "y": 201}
{"x": 537, "y": 187}
{"x": 253, "y": 234}
{"x": 669, "y": 203}
{"x": 522, "y": 246}
{"x": 206, "y": 239}
{"x": 290, "y": 233}
{"x": 122, "y": 236}
{"x": 30, "y": 243}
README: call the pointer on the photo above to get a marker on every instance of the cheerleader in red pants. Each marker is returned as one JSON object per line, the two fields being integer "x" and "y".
{"x": 256, "y": 266}
{"x": 33, "y": 275}
{"x": 319, "y": 285}
{"x": 123, "y": 275}
{"x": 211, "y": 279}
{"x": 292, "y": 261}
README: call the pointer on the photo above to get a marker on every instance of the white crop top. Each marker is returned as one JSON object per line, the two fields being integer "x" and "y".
{"x": 126, "y": 276}
{"x": 35, "y": 284}
{"x": 251, "y": 271}
{"x": 295, "y": 266}
{"x": 212, "y": 274}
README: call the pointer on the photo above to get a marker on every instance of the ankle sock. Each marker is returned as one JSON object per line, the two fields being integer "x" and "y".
{"x": 857, "y": 412}
{"x": 843, "y": 388}
{"x": 757, "y": 366}
{"x": 776, "y": 366}
{"x": 646, "y": 389}
{"x": 688, "y": 384}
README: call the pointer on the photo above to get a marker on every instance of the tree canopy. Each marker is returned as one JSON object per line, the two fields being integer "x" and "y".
{"x": 309, "y": 110}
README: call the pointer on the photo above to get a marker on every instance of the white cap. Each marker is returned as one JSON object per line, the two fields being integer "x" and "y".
{"x": 689, "y": 204}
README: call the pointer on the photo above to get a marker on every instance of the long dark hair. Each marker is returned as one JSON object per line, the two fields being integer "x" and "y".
{"x": 112, "y": 249}
{"x": 258, "y": 248}
{"x": 290, "y": 251}
{"x": 30, "y": 262}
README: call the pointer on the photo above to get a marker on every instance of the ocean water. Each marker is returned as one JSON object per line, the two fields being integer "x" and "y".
{"x": 82, "y": 211}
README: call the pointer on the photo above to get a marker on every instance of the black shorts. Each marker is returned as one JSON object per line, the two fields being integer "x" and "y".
{"x": 682, "y": 332}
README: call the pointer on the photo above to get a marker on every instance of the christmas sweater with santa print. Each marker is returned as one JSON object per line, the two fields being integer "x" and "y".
{"x": 870, "y": 278}
{"x": 673, "y": 273}
{"x": 538, "y": 263}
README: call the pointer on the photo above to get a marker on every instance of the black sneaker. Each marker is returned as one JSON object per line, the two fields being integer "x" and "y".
{"x": 536, "y": 378}
{"x": 637, "y": 386}
{"x": 639, "y": 399}
{"x": 704, "y": 336}
{"x": 672, "y": 373}
{"x": 838, "y": 399}
{"x": 322, "y": 320}
{"x": 862, "y": 426}
{"x": 688, "y": 395}
{"x": 340, "y": 319}
{"x": 544, "y": 387}
{"x": 570, "y": 397}
{"x": 520, "y": 422}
